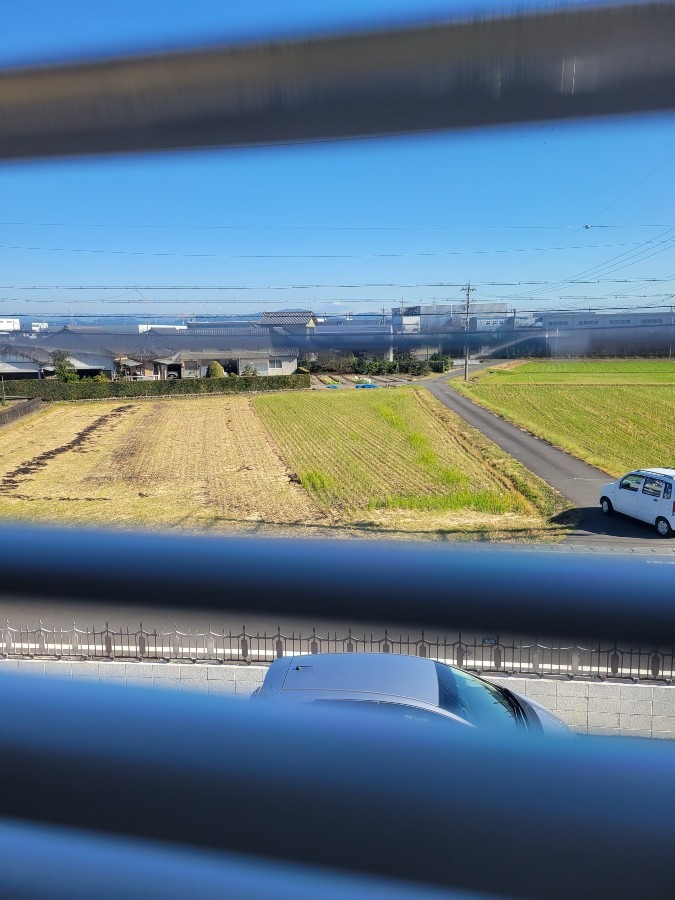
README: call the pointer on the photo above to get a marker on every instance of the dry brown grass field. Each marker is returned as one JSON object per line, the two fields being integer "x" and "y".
{"x": 396, "y": 464}
{"x": 191, "y": 464}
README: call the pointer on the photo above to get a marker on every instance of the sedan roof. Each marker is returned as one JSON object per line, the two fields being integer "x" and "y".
{"x": 378, "y": 673}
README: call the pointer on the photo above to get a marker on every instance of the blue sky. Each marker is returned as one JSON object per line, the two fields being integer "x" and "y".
{"x": 390, "y": 217}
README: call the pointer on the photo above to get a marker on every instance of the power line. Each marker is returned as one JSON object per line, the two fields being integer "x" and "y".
{"x": 637, "y": 255}
{"x": 458, "y": 304}
{"x": 634, "y": 186}
{"x": 612, "y": 271}
{"x": 284, "y": 227}
{"x": 267, "y": 227}
{"x": 171, "y": 254}
{"x": 649, "y": 174}
{"x": 347, "y": 286}
{"x": 623, "y": 260}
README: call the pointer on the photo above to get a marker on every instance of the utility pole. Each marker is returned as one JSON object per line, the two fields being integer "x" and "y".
{"x": 4, "y": 401}
{"x": 466, "y": 331}
{"x": 670, "y": 343}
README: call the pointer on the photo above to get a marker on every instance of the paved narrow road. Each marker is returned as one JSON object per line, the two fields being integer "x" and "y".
{"x": 576, "y": 480}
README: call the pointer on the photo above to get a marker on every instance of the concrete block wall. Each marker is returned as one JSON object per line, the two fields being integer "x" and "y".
{"x": 239, "y": 681}
{"x": 603, "y": 707}
{"x": 590, "y": 707}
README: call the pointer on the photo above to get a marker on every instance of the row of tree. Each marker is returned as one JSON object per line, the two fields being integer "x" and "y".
{"x": 403, "y": 363}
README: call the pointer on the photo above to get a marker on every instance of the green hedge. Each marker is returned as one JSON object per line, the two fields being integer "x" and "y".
{"x": 51, "y": 389}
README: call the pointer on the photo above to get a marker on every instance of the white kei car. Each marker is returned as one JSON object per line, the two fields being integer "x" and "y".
{"x": 645, "y": 494}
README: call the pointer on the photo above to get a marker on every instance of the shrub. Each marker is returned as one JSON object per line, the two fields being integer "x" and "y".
{"x": 215, "y": 370}
{"x": 50, "y": 389}
{"x": 440, "y": 362}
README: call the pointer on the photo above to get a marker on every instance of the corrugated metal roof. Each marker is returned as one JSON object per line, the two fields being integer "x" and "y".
{"x": 219, "y": 330}
{"x": 98, "y": 362}
{"x": 88, "y": 361}
{"x": 302, "y": 317}
{"x": 149, "y": 346}
{"x": 349, "y": 330}
{"x": 32, "y": 353}
{"x": 100, "y": 329}
{"x": 11, "y": 368}
{"x": 238, "y": 353}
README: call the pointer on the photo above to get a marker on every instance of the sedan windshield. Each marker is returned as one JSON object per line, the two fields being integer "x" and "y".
{"x": 476, "y": 700}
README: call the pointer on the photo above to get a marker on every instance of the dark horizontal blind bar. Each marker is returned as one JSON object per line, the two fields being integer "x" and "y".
{"x": 451, "y": 807}
{"x": 574, "y": 62}
{"x": 73, "y": 862}
{"x": 517, "y": 590}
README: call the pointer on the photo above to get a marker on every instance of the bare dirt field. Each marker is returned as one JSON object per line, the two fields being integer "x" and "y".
{"x": 395, "y": 464}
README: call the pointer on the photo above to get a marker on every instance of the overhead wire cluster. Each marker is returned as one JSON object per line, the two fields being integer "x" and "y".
{"x": 531, "y": 290}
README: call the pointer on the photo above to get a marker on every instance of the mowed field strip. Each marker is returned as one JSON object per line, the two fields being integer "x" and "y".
{"x": 614, "y": 414}
{"x": 395, "y": 462}
{"x": 400, "y": 459}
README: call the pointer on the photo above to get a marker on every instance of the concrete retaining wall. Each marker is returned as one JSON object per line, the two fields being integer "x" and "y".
{"x": 590, "y": 707}
{"x": 18, "y": 411}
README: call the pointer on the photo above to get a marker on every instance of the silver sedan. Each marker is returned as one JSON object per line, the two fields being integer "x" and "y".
{"x": 406, "y": 688}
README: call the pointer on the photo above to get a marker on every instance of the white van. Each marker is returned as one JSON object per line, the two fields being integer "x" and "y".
{"x": 645, "y": 494}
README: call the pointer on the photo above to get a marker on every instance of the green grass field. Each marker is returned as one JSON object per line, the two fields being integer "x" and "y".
{"x": 583, "y": 372}
{"x": 616, "y": 415}
{"x": 399, "y": 451}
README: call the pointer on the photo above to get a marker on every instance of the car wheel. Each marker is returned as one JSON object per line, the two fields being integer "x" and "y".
{"x": 607, "y": 507}
{"x": 663, "y": 528}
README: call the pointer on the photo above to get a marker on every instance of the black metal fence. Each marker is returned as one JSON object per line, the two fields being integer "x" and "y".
{"x": 482, "y": 655}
